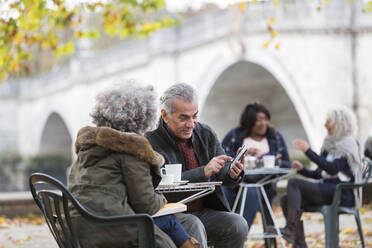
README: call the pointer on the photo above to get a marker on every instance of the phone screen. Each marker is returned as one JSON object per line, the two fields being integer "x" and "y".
{"x": 238, "y": 156}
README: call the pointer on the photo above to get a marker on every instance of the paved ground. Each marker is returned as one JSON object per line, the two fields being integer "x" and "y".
{"x": 31, "y": 232}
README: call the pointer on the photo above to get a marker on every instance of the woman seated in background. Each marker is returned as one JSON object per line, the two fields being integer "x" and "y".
{"x": 262, "y": 139}
{"x": 117, "y": 170}
{"x": 339, "y": 162}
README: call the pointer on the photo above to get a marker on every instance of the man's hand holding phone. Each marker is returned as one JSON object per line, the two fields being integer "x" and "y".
{"x": 237, "y": 164}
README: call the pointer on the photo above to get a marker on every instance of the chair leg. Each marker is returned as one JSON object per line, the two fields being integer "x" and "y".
{"x": 360, "y": 229}
{"x": 331, "y": 225}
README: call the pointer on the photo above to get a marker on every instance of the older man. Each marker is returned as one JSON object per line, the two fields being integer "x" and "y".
{"x": 181, "y": 139}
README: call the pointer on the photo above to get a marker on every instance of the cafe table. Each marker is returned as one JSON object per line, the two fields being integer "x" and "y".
{"x": 201, "y": 189}
{"x": 266, "y": 176}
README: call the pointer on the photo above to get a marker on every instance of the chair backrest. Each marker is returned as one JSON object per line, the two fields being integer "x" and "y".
{"x": 366, "y": 169}
{"x": 52, "y": 197}
{"x": 56, "y": 201}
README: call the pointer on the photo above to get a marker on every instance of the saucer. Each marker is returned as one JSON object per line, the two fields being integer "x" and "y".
{"x": 182, "y": 182}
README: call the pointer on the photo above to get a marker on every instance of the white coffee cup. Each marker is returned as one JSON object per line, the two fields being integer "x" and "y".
{"x": 269, "y": 161}
{"x": 250, "y": 162}
{"x": 166, "y": 178}
{"x": 175, "y": 170}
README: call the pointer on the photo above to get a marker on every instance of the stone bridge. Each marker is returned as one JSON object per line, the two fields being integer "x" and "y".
{"x": 324, "y": 58}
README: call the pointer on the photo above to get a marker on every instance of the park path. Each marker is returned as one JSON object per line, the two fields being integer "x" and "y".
{"x": 32, "y": 232}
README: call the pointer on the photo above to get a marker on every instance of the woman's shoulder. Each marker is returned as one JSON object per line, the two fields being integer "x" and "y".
{"x": 234, "y": 132}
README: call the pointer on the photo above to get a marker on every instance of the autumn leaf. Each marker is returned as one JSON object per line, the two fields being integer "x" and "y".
{"x": 242, "y": 6}
{"x": 277, "y": 46}
{"x": 272, "y": 20}
{"x": 266, "y": 44}
{"x": 274, "y": 33}
{"x": 66, "y": 49}
{"x": 367, "y": 220}
{"x": 347, "y": 230}
{"x": 276, "y": 3}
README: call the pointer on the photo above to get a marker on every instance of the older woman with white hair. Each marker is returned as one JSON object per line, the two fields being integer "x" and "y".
{"x": 338, "y": 162}
{"x": 117, "y": 170}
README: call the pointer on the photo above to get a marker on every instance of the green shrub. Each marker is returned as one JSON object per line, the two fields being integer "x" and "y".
{"x": 10, "y": 158}
{"x": 51, "y": 164}
{"x": 10, "y": 170}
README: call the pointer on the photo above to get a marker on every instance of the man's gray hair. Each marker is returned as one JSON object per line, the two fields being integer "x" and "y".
{"x": 181, "y": 90}
{"x": 127, "y": 107}
{"x": 344, "y": 120}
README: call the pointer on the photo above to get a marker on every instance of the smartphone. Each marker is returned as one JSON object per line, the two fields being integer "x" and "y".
{"x": 238, "y": 156}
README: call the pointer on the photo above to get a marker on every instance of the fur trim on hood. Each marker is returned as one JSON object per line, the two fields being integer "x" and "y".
{"x": 112, "y": 139}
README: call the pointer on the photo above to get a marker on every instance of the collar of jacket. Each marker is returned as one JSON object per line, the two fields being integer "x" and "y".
{"x": 115, "y": 140}
{"x": 167, "y": 133}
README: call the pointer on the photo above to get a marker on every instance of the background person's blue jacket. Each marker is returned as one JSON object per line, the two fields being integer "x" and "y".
{"x": 277, "y": 145}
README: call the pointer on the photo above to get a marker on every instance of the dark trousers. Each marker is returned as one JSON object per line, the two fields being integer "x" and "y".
{"x": 300, "y": 193}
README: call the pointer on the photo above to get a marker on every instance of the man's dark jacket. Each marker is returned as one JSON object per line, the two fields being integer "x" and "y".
{"x": 206, "y": 146}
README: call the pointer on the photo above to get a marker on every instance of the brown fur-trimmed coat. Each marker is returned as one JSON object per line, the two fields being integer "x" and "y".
{"x": 115, "y": 174}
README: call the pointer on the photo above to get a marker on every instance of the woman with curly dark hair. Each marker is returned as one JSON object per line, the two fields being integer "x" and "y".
{"x": 262, "y": 139}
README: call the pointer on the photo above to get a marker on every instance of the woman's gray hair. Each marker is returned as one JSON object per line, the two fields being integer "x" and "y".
{"x": 181, "y": 90}
{"x": 128, "y": 107}
{"x": 344, "y": 120}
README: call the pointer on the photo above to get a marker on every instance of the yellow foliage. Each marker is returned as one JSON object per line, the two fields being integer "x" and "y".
{"x": 14, "y": 66}
{"x": 266, "y": 44}
{"x": 2, "y": 220}
{"x": 39, "y": 26}
{"x": 66, "y": 49}
{"x": 347, "y": 230}
{"x": 277, "y": 46}
{"x": 242, "y": 6}
{"x": 362, "y": 210}
{"x": 124, "y": 32}
{"x": 274, "y": 33}
{"x": 272, "y": 20}
{"x": 367, "y": 220}
{"x": 18, "y": 38}
{"x": 276, "y": 3}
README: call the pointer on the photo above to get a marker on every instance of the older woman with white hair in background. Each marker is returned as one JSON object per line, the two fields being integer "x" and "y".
{"x": 117, "y": 170}
{"x": 339, "y": 161}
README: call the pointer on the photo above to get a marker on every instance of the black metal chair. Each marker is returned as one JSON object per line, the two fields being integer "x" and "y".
{"x": 54, "y": 204}
{"x": 331, "y": 212}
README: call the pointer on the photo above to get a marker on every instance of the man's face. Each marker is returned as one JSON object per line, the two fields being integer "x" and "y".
{"x": 183, "y": 119}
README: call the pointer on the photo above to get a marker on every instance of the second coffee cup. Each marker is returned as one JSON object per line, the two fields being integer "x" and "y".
{"x": 269, "y": 161}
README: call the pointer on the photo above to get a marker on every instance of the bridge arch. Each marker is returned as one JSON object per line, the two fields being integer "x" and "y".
{"x": 231, "y": 83}
{"x": 55, "y": 137}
